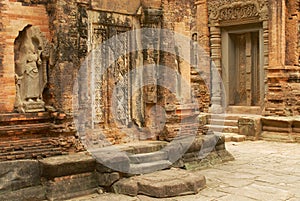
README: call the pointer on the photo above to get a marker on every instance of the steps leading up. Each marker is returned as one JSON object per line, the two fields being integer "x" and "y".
{"x": 148, "y": 157}
{"x": 224, "y": 129}
{"x": 144, "y": 168}
{"x": 227, "y": 124}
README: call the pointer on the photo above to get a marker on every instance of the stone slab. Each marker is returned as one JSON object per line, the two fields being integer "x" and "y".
{"x": 144, "y": 168}
{"x": 15, "y": 175}
{"x": 107, "y": 179}
{"x": 163, "y": 184}
{"x": 111, "y": 159}
{"x": 250, "y": 127}
{"x": 148, "y": 157}
{"x": 124, "y": 6}
{"x": 35, "y": 193}
{"x": 67, "y": 165}
{"x": 71, "y": 186}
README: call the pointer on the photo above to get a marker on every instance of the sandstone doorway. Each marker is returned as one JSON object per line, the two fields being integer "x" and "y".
{"x": 242, "y": 50}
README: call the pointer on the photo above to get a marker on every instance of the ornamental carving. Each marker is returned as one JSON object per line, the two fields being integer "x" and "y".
{"x": 234, "y": 13}
{"x": 226, "y": 10}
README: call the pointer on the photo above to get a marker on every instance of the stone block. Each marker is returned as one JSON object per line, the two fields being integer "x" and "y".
{"x": 113, "y": 159}
{"x": 71, "y": 186}
{"x": 35, "y": 193}
{"x": 16, "y": 175}
{"x": 240, "y": 138}
{"x": 196, "y": 145}
{"x": 277, "y": 124}
{"x": 174, "y": 151}
{"x": 145, "y": 168}
{"x": 67, "y": 165}
{"x": 148, "y": 157}
{"x": 162, "y": 184}
{"x": 250, "y": 127}
{"x": 296, "y": 125}
{"x": 107, "y": 179}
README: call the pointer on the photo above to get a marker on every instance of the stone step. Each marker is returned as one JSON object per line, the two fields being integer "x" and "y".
{"x": 224, "y": 129}
{"x": 148, "y": 157}
{"x": 224, "y": 116}
{"x": 150, "y": 167}
{"x": 277, "y": 136}
{"x": 223, "y": 122}
{"x": 72, "y": 164}
{"x": 141, "y": 147}
{"x": 233, "y": 137}
{"x": 162, "y": 184}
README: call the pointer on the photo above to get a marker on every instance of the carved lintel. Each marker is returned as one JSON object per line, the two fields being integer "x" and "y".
{"x": 236, "y": 10}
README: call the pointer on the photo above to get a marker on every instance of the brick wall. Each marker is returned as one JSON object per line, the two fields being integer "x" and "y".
{"x": 187, "y": 18}
{"x": 14, "y": 18}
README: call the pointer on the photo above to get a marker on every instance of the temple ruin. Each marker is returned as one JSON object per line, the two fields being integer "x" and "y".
{"x": 82, "y": 75}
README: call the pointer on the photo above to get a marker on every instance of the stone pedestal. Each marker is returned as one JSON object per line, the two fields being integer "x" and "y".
{"x": 36, "y": 106}
{"x": 250, "y": 127}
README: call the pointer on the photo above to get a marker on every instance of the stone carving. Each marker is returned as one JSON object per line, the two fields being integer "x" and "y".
{"x": 236, "y": 9}
{"x": 114, "y": 80}
{"x": 100, "y": 35}
{"x": 233, "y": 13}
{"x": 31, "y": 56}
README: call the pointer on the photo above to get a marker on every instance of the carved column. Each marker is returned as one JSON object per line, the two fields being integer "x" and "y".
{"x": 216, "y": 69}
{"x": 151, "y": 44}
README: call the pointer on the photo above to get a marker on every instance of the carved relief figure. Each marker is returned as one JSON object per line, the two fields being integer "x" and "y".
{"x": 30, "y": 70}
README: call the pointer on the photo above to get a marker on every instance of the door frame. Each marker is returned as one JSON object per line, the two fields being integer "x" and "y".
{"x": 226, "y": 44}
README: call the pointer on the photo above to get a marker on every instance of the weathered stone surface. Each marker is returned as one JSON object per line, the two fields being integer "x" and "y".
{"x": 277, "y": 124}
{"x": 16, "y": 175}
{"x": 296, "y": 125}
{"x": 36, "y": 193}
{"x": 148, "y": 157}
{"x": 195, "y": 161}
{"x": 67, "y": 165}
{"x": 71, "y": 186}
{"x": 115, "y": 160}
{"x": 250, "y": 127}
{"x": 162, "y": 184}
{"x": 107, "y": 179}
{"x": 144, "y": 168}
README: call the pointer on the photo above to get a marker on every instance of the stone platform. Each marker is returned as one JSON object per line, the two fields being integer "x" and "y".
{"x": 162, "y": 184}
{"x": 73, "y": 175}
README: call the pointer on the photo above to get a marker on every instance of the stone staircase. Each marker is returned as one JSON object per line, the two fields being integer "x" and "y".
{"x": 148, "y": 162}
{"x": 141, "y": 157}
{"x": 227, "y": 124}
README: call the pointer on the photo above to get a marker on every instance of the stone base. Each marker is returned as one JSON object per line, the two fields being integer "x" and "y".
{"x": 163, "y": 184}
{"x": 67, "y": 187}
{"x": 250, "y": 127}
{"x": 35, "y": 193}
{"x": 36, "y": 106}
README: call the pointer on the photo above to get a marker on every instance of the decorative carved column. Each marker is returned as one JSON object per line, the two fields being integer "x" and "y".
{"x": 151, "y": 19}
{"x": 216, "y": 69}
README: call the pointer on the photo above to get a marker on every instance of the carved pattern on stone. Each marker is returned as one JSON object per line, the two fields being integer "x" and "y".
{"x": 115, "y": 78}
{"x": 120, "y": 71}
{"x": 233, "y": 13}
{"x": 220, "y": 10}
{"x": 99, "y": 35}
